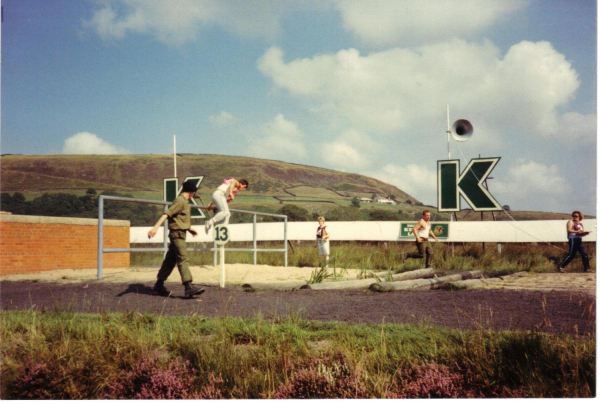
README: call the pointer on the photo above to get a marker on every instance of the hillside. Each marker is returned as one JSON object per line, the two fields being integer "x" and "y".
{"x": 272, "y": 183}
{"x": 142, "y": 175}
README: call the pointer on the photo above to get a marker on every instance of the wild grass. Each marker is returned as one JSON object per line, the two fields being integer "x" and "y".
{"x": 514, "y": 257}
{"x": 64, "y": 355}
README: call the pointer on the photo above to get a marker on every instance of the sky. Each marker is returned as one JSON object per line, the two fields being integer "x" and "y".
{"x": 357, "y": 86}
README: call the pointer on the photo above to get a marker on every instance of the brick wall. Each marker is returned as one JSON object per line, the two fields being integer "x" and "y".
{"x": 36, "y": 243}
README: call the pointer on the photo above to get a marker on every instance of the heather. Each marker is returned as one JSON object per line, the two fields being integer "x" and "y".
{"x": 64, "y": 355}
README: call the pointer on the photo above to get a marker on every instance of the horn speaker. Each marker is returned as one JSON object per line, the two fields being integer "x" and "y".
{"x": 462, "y": 130}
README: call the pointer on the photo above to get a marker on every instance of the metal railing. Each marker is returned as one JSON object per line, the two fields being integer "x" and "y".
{"x": 255, "y": 250}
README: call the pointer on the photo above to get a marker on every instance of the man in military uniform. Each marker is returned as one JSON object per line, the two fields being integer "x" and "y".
{"x": 179, "y": 216}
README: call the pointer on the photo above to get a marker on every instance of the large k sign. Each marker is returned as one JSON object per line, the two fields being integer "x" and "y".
{"x": 469, "y": 185}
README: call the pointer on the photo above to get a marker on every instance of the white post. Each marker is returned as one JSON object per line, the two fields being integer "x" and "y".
{"x": 175, "y": 155}
{"x": 222, "y": 266}
{"x": 448, "y": 133}
{"x": 448, "y": 127}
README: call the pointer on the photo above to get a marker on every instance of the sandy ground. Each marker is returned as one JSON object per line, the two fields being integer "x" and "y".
{"x": 238, "y": 274}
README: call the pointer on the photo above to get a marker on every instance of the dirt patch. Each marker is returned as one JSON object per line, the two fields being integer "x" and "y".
{"x": 548, "y": 302}
{"x": 238, "y": 274}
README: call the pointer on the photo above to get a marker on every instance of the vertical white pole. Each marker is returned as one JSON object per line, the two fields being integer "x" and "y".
{"x": 448, "y": 127}
{"x": 222, "y": 266}
{"x": 448, "y": 133}
{"x": 175, "y": 155}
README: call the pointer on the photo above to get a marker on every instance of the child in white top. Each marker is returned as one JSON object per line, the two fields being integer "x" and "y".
{"x": 323, "y": 240}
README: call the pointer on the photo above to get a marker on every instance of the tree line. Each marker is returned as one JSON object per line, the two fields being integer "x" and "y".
{"x": 69, "y": 205}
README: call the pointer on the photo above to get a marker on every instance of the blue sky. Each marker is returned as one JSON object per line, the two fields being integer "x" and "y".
{"x": 350, "y": 85}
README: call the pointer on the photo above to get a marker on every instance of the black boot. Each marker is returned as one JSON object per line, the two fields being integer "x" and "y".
{"x": 159, "y": 289}
{"x": 191, "y": 290}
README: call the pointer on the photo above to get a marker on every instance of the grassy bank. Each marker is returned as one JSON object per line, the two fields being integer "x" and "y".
{"x": 542, "y": 257}
{"x": 82, "y": 356}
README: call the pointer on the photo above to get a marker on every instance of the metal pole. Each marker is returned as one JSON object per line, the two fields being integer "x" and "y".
{"x": 175, "y": 155}
{"x": 448, "y": 127}
{"x": 222, "y": 266}
{"x": 100, "y": 234}
{"x": 285, "y": 242}
{"x": 214, "y": 253}
{"x": 448, "y": 133}
{"x": 254, "y": 237}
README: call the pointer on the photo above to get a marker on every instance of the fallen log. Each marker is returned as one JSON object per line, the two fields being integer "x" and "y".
{"x": 365, "y": 283}
{"x": 420, "y": 284}
{"x": 283, "y": 285}
{"x": 474, "y": 282}
{"x": 404, "y": 276}
{"x": 516, "y": 274}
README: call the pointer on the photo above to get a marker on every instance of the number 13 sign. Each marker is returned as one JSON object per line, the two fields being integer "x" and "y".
{"x": 221, "y": 234}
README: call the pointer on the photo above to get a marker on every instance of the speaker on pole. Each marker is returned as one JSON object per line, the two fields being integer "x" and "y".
{"x": 461, "y": 130}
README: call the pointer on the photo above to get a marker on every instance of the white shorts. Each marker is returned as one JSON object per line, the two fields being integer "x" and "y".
{"x": 324, "y": 247}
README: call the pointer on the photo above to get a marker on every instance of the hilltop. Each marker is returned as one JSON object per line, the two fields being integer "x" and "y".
{"x": 145, "y": 174}
{"x": 272, "y": 183}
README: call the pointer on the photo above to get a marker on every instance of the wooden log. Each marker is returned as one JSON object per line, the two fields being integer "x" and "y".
{"x": 474, "y": 282}
{"x": 414, "y": 274}
{"x": 516, "y": 274}
{"x": 477, "y": 282}
{"x": 283, "y": 285}
{"x": 365, "y": 283}
{"x": 347, "y": 285}
{"x": 423, "y": 284}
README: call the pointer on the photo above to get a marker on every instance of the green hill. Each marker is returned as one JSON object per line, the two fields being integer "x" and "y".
{"x": 145, "y": 173}
{"x": 272, "y": 183}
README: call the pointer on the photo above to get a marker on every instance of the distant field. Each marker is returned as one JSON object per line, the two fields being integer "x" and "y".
{"x": 314, "y": 192}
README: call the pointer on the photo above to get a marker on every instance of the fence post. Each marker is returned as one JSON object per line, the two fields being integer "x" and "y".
{"x": 285, "y": 241}
{"x": 254, "y": 237}
{"x": 100, "y": 234}
{"x": 214, "y": 254}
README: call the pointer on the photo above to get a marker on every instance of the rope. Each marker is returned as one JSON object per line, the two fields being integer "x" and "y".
{"x": 512, "y": 218}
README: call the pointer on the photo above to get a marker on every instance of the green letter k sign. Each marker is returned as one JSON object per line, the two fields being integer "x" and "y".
{"x": 469, "y": 185}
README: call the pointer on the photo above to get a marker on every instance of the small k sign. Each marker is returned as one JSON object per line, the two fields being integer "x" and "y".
{"x": 171, "y": 190}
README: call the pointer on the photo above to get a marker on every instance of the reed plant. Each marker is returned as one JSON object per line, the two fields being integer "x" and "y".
{"x": 65, "y": 355}
{"x": 373, "y": 256}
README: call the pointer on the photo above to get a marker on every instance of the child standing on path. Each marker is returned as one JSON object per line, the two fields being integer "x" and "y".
{"x": 180, "y": 222}
{"x": 323, "y": 240}
{"x": 225, "y": 193}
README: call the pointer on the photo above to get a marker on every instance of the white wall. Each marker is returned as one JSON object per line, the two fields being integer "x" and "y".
{"x": 504, "y": 232}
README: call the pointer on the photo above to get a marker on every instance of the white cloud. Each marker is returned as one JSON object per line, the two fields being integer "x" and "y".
{"x": 353, "y": 150}
{"x": 89, "y": 143}
{"x": 530, "y": 184}
{"x": 390, "y": 22}
{"x": 400, "y": 89}
{"x": 282, "y": 140}
{"x": 575, "y": 127}
{"x": 416, "y": 180}
{"x": 178, "y": 22}
{"x": 222, "y": 120}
